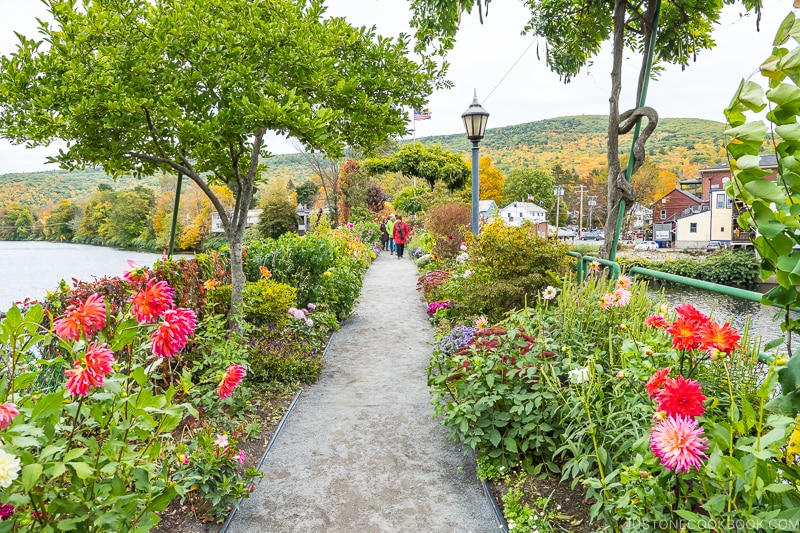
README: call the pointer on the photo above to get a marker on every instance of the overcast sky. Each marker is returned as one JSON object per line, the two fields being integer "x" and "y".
{"x": 512, "y": 85}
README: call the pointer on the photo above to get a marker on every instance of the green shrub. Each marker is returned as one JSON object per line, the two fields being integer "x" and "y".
{"x": 283, "y": 356}
{"x": 738, "y": 268}
{"x": 506, "y": 268}
{"x": 266, "y": 302}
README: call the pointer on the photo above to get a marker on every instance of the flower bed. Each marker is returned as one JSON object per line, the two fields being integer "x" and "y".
{"x": 661, "y": 418}
{"x": 147, "y": 412}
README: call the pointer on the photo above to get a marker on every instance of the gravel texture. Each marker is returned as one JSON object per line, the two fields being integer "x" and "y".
{"x": 361, "y": 451}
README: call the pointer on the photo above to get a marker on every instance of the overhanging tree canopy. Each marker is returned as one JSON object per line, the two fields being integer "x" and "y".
{"x": 193, "y": 86}
{"x": 574, "y": 31}
{"x": 431, "y": 164}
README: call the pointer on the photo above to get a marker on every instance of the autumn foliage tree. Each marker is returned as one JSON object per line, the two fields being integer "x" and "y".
{"x": 490, "y": 179}
{"x": 192, "y": 87}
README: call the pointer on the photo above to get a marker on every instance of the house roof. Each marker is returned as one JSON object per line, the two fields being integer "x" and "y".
{"x": 767, "y": 160}
{"x": 679, "y": 191}
{"x": 530, "y": 206}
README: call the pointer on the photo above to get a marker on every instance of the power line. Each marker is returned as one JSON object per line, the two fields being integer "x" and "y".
{"x": 535, "y": 40}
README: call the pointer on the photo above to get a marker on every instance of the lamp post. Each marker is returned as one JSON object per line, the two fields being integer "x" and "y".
{"x": 558, "y": 190}
{"x": 475, "y": 119}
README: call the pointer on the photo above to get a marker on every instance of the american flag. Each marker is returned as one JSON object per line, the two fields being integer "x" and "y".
{"x": 422, "y": 115}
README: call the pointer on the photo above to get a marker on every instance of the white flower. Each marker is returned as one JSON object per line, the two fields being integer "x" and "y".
{"x": 463, "y": 247}
{"x": 549, "y": 293}
{"x": 463, "y": 256}
{"x": 9, "y": 468}
{"x": 468, "y": 273}
{"x": 579, "y": 375}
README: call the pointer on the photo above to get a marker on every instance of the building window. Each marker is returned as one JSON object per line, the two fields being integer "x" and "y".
{"x": 663, "y": 214}
{"x": 720, "y": 201}
{"x": 722, "y": 229}
{"x": 715, "y": 185}
{"x": 693, "y": 227}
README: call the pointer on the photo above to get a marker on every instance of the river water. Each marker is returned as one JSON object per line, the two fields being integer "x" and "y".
{"x": 28, "y": 269}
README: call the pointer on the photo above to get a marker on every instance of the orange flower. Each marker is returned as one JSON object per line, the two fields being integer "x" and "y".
{"x": 265, "y": 272}
{"x": 233, "y": 375}
{"x": 88, "y": 317}
{"x": 210, "y": 284}
{"x": 685, "y": 333}
{"x": 655, "y": 383}
{"x": 151, "y": 302}
{"x": 721, "y": 338}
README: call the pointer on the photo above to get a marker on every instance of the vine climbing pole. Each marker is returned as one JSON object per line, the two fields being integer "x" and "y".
{"x": 633, "y": 119}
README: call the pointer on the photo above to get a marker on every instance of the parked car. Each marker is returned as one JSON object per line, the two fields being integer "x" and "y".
{"x": 593, "y": 236}
{"x": 715, "y": 246}
{"x": 646, "y": 245}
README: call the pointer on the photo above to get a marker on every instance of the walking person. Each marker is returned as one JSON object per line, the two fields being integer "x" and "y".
{"x": 390, "y": 230}
{"x": 401, "y": 231}
{"x": 384, "y": 235}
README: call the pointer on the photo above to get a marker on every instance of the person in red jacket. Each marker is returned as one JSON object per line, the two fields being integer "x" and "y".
{"x": 400, "y": 236}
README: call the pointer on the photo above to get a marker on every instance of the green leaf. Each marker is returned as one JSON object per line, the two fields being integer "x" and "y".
{"x": 47, "y": 405}
{"x": 24, "y": 381}
{"x": 494, "y": 437}
{"x": 778, "y": 487}
{"x": 83, "y": 470}
{"x": 789, "y": 375}
{"x": 30, "y": 475}
{"x": 162, "y": 500}
{"x": 74, "y": 454}
{"x": 766, "y": 190}
{"x": 510, "y": 445}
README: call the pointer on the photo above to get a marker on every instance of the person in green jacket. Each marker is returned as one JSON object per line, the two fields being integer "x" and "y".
{"x": 390, "y": 229}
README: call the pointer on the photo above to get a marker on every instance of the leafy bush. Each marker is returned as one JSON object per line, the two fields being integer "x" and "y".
{"x": 738, "y": 268}
{"x": 504, "y": 269}
{"x": 283, "y": 356}
{"x": 265, "y": 302}
{"x": 447, "y": 223}
{"x": 210, "y": 473}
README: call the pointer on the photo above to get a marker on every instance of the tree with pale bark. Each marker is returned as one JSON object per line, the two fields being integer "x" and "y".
{"x": 192, "y": 87}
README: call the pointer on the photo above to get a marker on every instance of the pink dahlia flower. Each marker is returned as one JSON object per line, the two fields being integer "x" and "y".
{"x": 656, "y": 321}
{"x": 88, "y": 317}
{"x": 233, "y": 375}
{"x": 91, "y": 371}
{"x": 678, "y": 443}
{"x": 173, "y": 334}
{"x": 136, "y": 273}
{"x": 151, "y": 302}
{"x": 8, "y": 411}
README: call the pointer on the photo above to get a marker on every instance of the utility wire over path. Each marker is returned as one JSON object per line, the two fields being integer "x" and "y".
{"x": 360, "y": 452}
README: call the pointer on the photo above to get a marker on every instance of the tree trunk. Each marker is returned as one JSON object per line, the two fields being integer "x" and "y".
{"x": 237, "y": 274}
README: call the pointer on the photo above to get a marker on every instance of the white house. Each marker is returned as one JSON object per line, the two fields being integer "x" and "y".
{"x": 216, "y": 221}
{"x": 515, "y": 213}
{"x": 699, "y": 227}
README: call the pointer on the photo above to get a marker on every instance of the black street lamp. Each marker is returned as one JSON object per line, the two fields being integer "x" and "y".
{"x": 475, "y": 119}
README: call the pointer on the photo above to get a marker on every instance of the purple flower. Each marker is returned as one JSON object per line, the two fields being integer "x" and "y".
{"x": 460, "y": 337}
{"x": 311, "y": 307}
{"x": 435, "y": 306}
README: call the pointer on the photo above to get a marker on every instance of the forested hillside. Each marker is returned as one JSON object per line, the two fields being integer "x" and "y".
{"x": 680, "y": 146}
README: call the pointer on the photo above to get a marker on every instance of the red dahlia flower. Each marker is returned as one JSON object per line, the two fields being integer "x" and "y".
{"x": 685, "y": 333}
{"x": 88, "y": 317}
{"x": 690, "y": 312}
{"x": 723, "y": 338}
{"x": 681, "y": 396}
{"x": 655, "y": 383}
{"x": 233, "y": 375}
{"x": 173, "y": 334}
{"x": 151, "y": 302}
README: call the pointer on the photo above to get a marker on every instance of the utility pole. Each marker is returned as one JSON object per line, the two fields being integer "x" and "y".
{"x": 580, "y": 213}
{"x": 592, "y": 203}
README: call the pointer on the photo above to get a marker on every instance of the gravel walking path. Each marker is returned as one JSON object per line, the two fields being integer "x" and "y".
{"x": 361, "y": 452}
